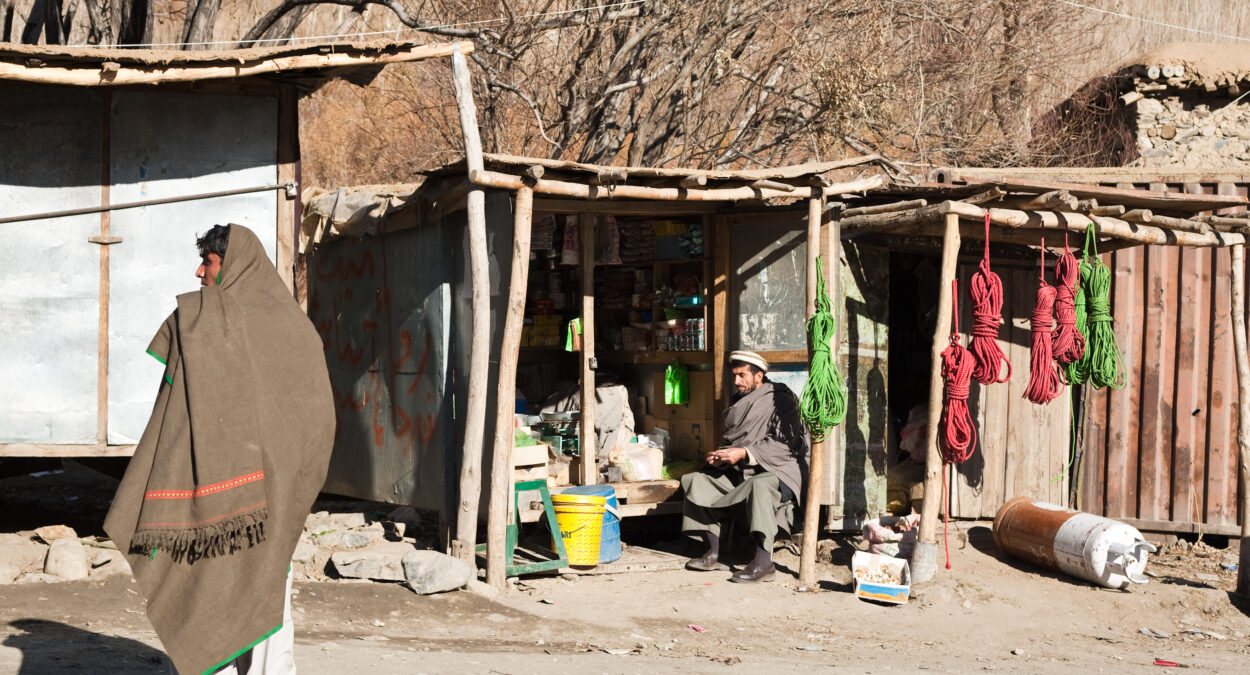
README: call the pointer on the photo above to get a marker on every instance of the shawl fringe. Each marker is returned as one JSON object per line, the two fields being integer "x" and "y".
{"x": 191, "y": 544}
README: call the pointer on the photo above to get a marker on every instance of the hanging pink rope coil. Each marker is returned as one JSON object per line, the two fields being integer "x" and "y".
{"x": 1045, "y": 380}
{"x": 986, "y": 291}
{"x": 958, "y": 434}
{"x": 1069, "y": 344}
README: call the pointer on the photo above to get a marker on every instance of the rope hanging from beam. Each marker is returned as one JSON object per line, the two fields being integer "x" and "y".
{"x": 1045, "y": 381}
{"x": 823, "y": 404}
{"x": 986, "y": 290}
{"x": 959, "y": 435}
{"x": 1068, "y": 342}
{"x": 1102, "y": 358}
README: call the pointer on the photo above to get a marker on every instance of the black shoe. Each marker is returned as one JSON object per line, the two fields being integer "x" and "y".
{"x": 754, "y": 573}
{"x": 708, "y": 563}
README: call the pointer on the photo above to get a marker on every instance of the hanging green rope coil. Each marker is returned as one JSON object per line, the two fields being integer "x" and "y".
{"x": 1078, "y": 370}
{"x": 823, "y": 404}
{"x": 1102, "y": 365}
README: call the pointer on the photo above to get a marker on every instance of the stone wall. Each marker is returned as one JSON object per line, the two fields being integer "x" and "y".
{"x": 1193, "y": 129}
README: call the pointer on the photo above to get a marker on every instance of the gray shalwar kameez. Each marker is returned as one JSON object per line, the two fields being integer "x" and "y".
{"x": 765, "y": 422}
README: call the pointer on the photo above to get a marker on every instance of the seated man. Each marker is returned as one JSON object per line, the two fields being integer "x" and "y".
{"x": 762, "y": 463}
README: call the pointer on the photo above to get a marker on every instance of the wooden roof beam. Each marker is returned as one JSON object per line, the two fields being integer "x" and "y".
{"x": 507, "y": 181}
{"x": 901, "y": 221}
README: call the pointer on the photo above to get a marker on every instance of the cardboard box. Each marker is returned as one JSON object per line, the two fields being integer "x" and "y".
{"x": 700, "y": 406}
{"x": 688, "y": 439}
{"x": 530, "y": 455}
{"x": 868, "y": 565}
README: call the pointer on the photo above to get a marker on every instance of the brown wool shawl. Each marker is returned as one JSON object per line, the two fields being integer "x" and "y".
{"x": 236, "y": 450}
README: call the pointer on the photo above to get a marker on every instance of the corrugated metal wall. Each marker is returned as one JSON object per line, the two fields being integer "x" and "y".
{"x": 1162, "y": 450}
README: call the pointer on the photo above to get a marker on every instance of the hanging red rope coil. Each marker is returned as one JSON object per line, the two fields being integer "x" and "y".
{"x": 986, "y": 290}
{"x": 958, "y": 434}
{"x": 1045, "y": 380}
{"x": 1069, "y": 343}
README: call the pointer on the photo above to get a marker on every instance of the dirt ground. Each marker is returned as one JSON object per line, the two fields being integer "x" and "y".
{"x": 986, "y": 613}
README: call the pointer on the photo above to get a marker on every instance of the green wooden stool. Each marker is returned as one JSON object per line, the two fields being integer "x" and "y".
{"x": 514, "y": 531}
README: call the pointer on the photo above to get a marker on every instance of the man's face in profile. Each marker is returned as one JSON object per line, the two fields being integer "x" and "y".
{"x": 210, "y": 266}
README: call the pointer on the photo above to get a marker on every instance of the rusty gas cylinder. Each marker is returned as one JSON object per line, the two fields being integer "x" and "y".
{"x": 1086, "y": 546}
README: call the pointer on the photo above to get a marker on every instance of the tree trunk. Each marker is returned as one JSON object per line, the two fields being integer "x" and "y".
{"x": 201, "y": 18}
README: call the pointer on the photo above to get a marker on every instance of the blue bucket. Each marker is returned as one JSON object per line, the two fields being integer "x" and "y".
{"x": 610, "y": 537}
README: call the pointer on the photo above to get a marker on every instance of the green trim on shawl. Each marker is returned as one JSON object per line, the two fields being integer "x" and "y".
{"x": 168, "y": 378}
{"x": 218, "y": 282}
{"x": 241, "y": 652}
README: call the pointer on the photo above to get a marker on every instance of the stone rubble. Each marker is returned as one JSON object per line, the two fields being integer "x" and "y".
{"x": 350, "y": 545}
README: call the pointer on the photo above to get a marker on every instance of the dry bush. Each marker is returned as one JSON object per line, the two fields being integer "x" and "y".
{"x": 701, "y": 82}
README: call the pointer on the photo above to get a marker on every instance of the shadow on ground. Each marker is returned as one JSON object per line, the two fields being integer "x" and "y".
{"x": 52, "y": 647}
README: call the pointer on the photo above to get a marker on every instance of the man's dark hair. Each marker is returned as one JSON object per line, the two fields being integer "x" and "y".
{"x": 755, "y": 370}
{"x": 214, "y": 241}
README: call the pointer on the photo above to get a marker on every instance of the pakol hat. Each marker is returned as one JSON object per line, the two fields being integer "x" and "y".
{"x": 749, "y": 357}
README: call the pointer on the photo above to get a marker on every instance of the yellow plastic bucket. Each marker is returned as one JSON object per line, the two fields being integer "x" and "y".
{"x": 580, "y": 518}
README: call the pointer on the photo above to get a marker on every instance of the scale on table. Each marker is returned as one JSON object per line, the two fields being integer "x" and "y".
{"x": 561, "y": 430}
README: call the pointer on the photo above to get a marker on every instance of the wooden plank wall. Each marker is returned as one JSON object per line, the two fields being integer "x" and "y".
{"x": 1160, "y": 453}
{"x": 1022, "y": 448}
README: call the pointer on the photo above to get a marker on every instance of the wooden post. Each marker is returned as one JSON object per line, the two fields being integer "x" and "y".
{"x": 831, "y": 249}
{"x": 1238, "y": 301}
{"x": 288, "y": 206}
{"x": 816, "y": 463}
{"x": 479, "y": 351}
{"x": 102, "y": 347}
{"x": 505, "y": 399}
{"x": 924, "y": 560}
{"x": 588, "y": 472}
{"x": 720, "y": 319}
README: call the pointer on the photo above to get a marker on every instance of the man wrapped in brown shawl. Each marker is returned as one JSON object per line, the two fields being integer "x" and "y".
{"x": 214, "y": 499}
{"x": 762, "y": 464}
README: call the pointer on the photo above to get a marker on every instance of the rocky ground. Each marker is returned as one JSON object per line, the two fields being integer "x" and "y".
{"x": 987, "y": 613}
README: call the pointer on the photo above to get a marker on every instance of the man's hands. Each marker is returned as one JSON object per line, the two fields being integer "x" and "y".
{"x": 726, "y": 457}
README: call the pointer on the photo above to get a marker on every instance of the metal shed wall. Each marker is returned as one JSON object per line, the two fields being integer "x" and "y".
{"x": 67, "y": 147}
{"x": 1161, "y": 452}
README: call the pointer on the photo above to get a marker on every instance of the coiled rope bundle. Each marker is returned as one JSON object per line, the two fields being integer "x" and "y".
{"x": 1068, "y": 343}
{"x": 959, "y": 436}
{"x": 986, "y": 291}
{"x": 823, "y": 403}
{"x": 1045, "y": 381}
{"x": 1102, "y": 360}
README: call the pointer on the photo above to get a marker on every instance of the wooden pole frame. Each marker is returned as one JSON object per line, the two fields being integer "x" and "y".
{"x": 831, "y": 247}
{"x": 105, "y": 240}
{"x": 498, "y": 514}
{"x": 1238, "y": 301}
{"x": 816, "y": 463}
{"x": 463, "y": 547}
{"x": 588, "y": 471}
{"x": 924, "y": 559}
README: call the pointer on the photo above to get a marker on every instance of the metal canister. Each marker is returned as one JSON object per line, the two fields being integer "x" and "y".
{"x": 1086, "y": 546}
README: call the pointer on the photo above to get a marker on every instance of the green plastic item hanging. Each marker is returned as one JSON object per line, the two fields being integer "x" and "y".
{"x": 676, "y": 384}
{"x": 574, "y": 325}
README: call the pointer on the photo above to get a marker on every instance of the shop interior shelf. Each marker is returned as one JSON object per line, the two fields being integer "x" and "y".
{"x": 689, "y": 358}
